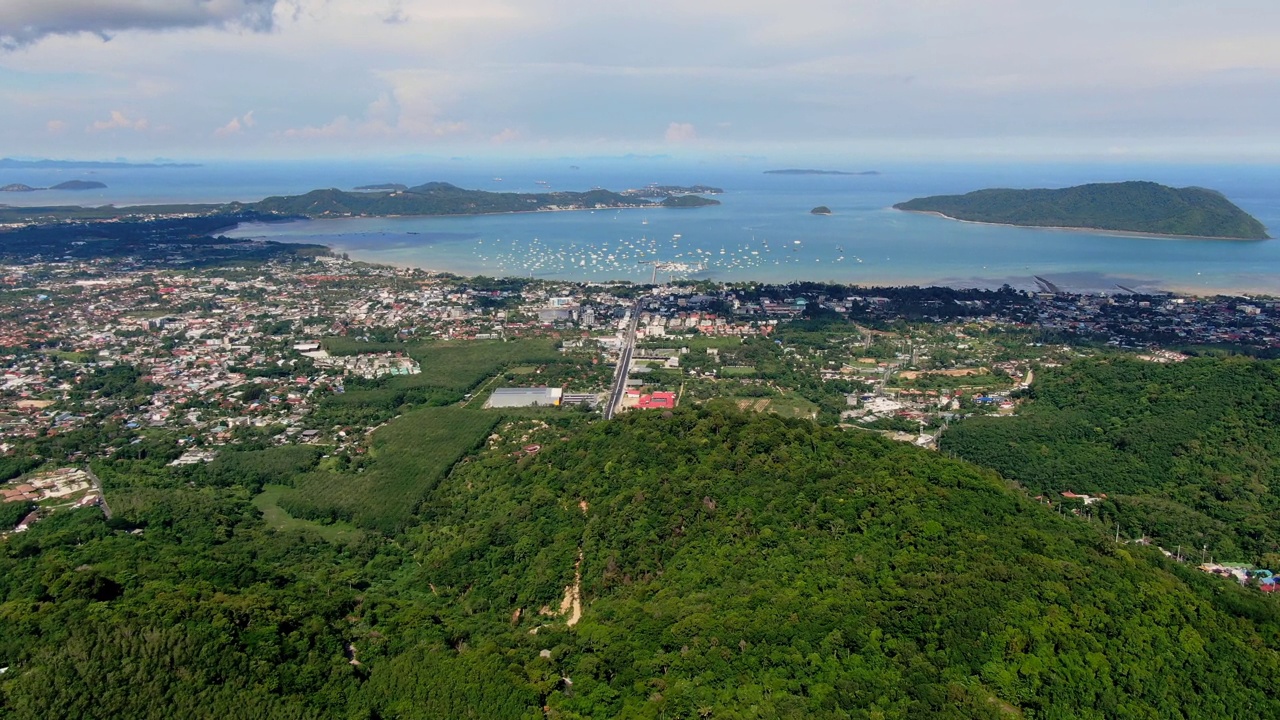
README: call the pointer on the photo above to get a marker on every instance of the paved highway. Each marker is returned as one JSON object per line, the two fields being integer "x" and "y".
{"x": 623, "y": 369}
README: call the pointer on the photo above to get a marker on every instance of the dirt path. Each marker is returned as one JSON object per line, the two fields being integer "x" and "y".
{"x": 572, "y": 602}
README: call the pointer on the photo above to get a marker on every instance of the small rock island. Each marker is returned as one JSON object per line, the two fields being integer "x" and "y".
{"x": 820, "y": 210}
{"x": 1141, "y": 207}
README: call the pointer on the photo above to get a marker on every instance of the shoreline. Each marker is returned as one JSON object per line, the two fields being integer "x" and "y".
{"x": 1090, "y": 230}
{"x": 1165, "y": 287}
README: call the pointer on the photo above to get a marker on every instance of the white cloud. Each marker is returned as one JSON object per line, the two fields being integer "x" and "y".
{"x": 55, "y": 126}
{"x": 489, "y": 74}
{"x": 119, "y": 121}
{"x": 235, "y": 125}
{"x": 507, "y": 135}
{"x": 412, "y": 109}
{"x": 681, "y": 133}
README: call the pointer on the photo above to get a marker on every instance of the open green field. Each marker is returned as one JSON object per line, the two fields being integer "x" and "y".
{"x": 695, "y": 343}
{"x": 343, "y": 345}
{"x": 275, "y": 516}
{"x": 449, "y": 371}
{"x": 406, "y": 459}
{"x": 736, "y": 371}
{"x": 463, "y": 365}
{"x": 790, "y": 406}
{"x": 457, "y": 366}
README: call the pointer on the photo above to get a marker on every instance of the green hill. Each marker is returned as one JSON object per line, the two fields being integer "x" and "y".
{"x": 1187, "y": 453}
{"x": 728, "y": 566}
{"x": 1142, "y": 207}
{"x": 688, "y": 201}
{"x": 438, "y": 198}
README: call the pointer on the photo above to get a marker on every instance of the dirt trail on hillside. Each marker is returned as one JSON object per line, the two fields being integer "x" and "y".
{"x": 572, "y": 602}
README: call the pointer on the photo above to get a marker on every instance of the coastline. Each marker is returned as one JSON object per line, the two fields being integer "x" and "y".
{"x": 1172, "y": 287}
{"x": 1090, "y": 230}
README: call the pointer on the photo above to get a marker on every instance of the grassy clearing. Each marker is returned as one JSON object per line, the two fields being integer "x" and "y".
{"x": 408, "y": 457}
{"x": 695, "y": 343}
{"x": 275, "y": 516}
{"x": 789, "y": 406}
{"x": 463, "y": 365}
{"x": 736, "y": 371}
{"x": 343, "y": 345}
{"x": 449, "y": 371}
{"x": 457, "y": 365}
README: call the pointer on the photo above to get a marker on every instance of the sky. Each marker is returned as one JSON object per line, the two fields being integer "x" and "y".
{"x": 909, "y": 79}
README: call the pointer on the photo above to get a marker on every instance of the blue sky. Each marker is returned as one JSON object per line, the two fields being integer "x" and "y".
{"x": 910, "y": 79}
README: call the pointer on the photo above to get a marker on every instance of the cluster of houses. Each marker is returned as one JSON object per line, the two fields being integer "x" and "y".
{"x": 1265, "y": 580}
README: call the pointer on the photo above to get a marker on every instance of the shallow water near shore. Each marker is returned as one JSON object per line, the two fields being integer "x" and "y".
{"x": 762, "y": 231}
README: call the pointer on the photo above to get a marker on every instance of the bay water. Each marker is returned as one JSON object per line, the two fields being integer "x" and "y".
{"x": 762, "y": 231}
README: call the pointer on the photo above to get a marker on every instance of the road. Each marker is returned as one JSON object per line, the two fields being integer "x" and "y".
{"x": 623, "y": 369}
{"x": 97, "y": 485}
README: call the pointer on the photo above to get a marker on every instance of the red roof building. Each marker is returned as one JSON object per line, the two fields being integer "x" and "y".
{"x": 658, "y": 400}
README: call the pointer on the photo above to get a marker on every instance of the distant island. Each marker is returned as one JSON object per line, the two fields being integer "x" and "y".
{"x": 433, "y": 198}
{"x": 808, "y": 171}
{"x": 15, "y": 164}
{"x": 79, "y": 185}
{"x": 68, "y": 185}
{"x": 665, "y": 191}
{"x": 820, "y": 210}
{"x": 441, "y": 198}
{"x": 1135, "y": 206}
{"x": 687, "y": 201}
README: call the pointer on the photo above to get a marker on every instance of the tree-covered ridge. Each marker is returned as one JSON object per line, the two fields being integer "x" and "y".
{"x": 1186, "y": 453}
{"x": 439, "y": 198}
{"x": 1135, "y": 206}
{"x": 757, "y": 567}
{"x": 731, "y": 566}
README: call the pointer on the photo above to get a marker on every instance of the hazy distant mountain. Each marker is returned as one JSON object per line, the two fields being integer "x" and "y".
{"x": 12, "y": 164}
{"x": 807, "y": 171}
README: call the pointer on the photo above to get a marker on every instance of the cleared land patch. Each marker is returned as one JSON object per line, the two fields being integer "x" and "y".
{"x": 407, "y": 458}
{"x": 276, "y": 517}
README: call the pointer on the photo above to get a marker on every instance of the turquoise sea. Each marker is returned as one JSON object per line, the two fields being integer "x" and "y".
{"x": 762, "y": 231}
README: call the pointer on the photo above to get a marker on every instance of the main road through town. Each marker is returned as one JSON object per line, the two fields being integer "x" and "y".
{"x": 623, "y": 369}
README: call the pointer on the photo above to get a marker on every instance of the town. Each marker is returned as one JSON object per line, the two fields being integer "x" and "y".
{"x": 100, "y": 360}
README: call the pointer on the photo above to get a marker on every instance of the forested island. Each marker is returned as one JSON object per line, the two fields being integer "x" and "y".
{"x": 68, "y": 185}
{"x": 433, "y": 198}
{"x": 440, "y": 198}
{"x": 820, "y": 210}
{"x": 79, "y": 185}
{"x": 1135, "y": 206}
